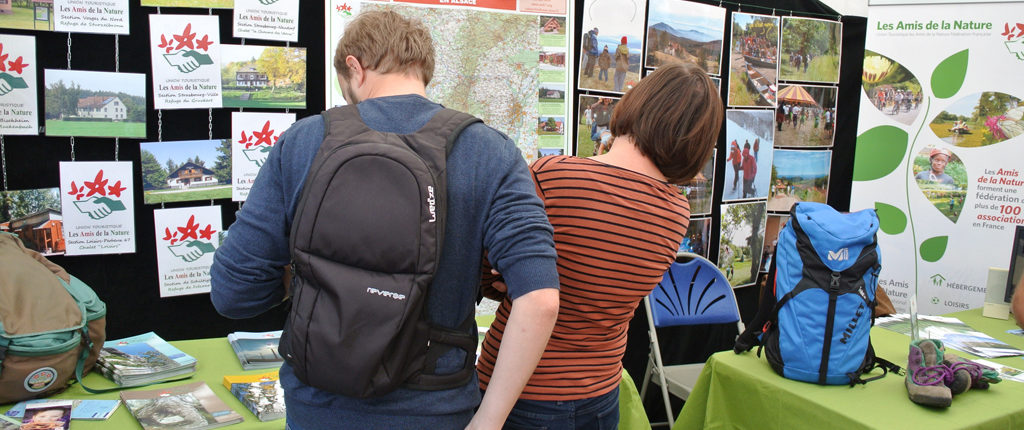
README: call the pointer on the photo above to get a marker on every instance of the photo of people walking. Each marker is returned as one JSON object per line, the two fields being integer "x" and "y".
{"x": 749, "y": 140}
{"x": 611, "y": 46}
{"x": 892, "y": 89}
{"x": 806, "y": 116}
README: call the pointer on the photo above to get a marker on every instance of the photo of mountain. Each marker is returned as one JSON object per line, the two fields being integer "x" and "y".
{"x": 685, "y": 32}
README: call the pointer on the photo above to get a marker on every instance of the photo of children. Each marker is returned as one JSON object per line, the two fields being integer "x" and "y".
{"x": 55, "y": 415}
{"x": 186, "y": 170}
{"x": 699, "y": 190}
{"x": 255, "y": 76}
{"x": 615, "y": 33}
{"x": 810, "y": 50}
{"x": 685, "y": 32}
{"x": 35, "y": 216}
{"x": 806, "y": 116}
{"x": 754, "y": 60}
{"x": 980, "y": 119}
{"x": 740, "y": 247}
{"x": 698, "y": 237}
{"x": 942, "y": 178}
{"x": 592, "y": 135}
{"x": 95, "y": 104}
{"x": 799, "y": 176}
{"x": 749, "y": 136}
{"x": 892, "y": 89}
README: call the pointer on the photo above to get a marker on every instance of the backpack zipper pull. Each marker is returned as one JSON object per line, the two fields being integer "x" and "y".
{"x": 834, "y": 285}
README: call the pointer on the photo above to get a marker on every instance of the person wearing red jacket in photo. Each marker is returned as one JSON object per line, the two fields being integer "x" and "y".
{"x": 737, "y": 161}
{"x": 749, "y": 171}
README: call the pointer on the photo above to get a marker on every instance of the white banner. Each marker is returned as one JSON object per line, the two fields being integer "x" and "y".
{"x": 98, "y": 206}
{"x": 253, "y": 134}
{"x": 186, "y": 61}
{"x": 19, "y": 110}
{"x": 939, "y": 149}
{"x": 186, "y": 239}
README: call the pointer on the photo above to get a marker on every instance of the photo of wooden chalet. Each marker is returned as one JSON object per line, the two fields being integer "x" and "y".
{"x": 250, "y": 77}
{"x": 553, "y": 58}
{"x": 41, "y": 231}
{"x": 5, "y": 7}
{"x": 191, "y": 175}
{"x": 552, "y": 26}
{"x": 102, "y": 107}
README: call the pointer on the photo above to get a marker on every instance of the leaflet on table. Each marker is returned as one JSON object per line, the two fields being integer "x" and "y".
{"x": 254, "y": 133}
{"x": 1005, "y": 372}
{"x": 80, "y": 409}
{"x": 91, "y": 16}
{"x": 186, "y": 239}
{"x": 186, "y": 61}
{"x": 97, "y": 207}
{"x": 19, "y": 110}
{"x": 952, "y": 332}
{"x": 267, "y": 19}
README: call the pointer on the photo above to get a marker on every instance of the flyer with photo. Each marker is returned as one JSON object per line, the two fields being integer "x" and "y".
{"x": 98, "y": 208}
{"x": 185, "y": 54}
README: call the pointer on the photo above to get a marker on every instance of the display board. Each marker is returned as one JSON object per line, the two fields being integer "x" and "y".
{"x": 939, "y": 149}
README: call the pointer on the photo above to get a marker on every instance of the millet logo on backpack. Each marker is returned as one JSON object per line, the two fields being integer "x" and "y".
{"x": 430, "y": 203}
{"x": 385, "y": 293}
{"x": 840, "y": 255}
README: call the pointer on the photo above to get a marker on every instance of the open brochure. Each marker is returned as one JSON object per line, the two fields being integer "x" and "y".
{"x": 952, "y": 332}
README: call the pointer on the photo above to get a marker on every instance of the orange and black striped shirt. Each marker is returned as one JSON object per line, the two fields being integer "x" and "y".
{"x": 616, "y": 232}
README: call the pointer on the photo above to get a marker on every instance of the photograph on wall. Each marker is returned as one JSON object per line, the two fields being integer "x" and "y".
{"x": 551, "y": 98}
{"x": 753, "y": 60}
{"x": 980, "y": 119}
{"x": 544, "y": 152}
{"x": 34, "y": 215}
{"x": 552, "y": 30}
{"x": 185, "y": 59}
{"x": 253, "y": 134}
{"x": 717, "y": 82}
{"x": 202, "y": 4}
{"x": 186, "y": 239}
{"x": 740, "y": 247}
{"x": 272, "y": 77}
{"x": 26, "y": 15}
{"x": 592, "y": 134}
{"x": 810, "y": 50}
{"x": 700, "y": 190}
{"x": 806, "y": 115}
{"x": 94, "y": 104}
{"x": 772, "y": 228}
{"x": 550, "y": 131}
{"x": 185, "y": 170}
{"x": 942, "y": 178}
{"x": 891, "y": 88}
{"x": 551, "y": 66}
{"x": 799, "y": 176}
{"x": 611, "y": 45}
{"x": 87, "y": 16}
{"x": 97, "y": 206}
{"x": 267, "y": 20}
{"x": 698, "y": 237}
{"x": 18, "y": 100}
{"x": 685, "y": 32}
{"x": 748, "y": 164}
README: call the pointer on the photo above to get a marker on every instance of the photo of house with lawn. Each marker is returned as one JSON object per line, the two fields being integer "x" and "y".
{"x": 27, "y": 14}
{"x": 185, "y": 170}
{"x": 272, "y": 77}
{"x": 95, "y": 104}
{"x": 35, "y": 216}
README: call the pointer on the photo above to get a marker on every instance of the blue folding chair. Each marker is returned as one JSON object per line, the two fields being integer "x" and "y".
{"x": 693, "y": 291}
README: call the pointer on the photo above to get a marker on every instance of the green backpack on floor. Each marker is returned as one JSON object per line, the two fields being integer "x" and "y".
{"x": 52, "y": 325}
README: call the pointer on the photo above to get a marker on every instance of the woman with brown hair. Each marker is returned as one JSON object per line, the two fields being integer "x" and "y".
{"x": 619, "y": 220}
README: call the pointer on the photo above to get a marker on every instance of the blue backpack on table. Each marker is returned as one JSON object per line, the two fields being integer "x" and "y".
{"x": 817, "y": 309}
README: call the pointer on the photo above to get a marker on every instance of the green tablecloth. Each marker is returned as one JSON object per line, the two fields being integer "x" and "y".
{"x": 742, "y": 392}
{"x": 216, "y": 359}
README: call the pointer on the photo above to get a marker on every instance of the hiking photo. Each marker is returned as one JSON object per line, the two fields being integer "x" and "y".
{"x": 748, "y": 162}
{"x": 891, "y": 88}
{"x": 611, "y": 46}
{"x": 799, "y": 176}
{"x": 739, "y": 251}
{"x": 272, "y": 77}
{"x": 806, "y": 116}
{"x": 810, "y": 50}
{"x": 94, "y": 104}
{"x": 35, "y": 216}
{"x": 185, "y": 170}
{"x": 685, "y": 32}
{"x": 753, "y": 60}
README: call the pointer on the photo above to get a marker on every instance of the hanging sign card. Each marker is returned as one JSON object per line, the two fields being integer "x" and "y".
{"x": 253, "y": 134}
{"x": 186, "y": 61}
{"x": 267, "y": 19}
{"x": 18, "y": 102}
{"x": 186, "y": 239}
{"x": 97, "y": 207}
{"x": 91, "y": 16}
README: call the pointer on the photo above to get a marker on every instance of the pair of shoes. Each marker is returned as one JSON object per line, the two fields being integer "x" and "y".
{"x": 926, "y": 376}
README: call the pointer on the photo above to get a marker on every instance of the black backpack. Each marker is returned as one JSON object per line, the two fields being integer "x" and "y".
{"x": 365, "y": 242}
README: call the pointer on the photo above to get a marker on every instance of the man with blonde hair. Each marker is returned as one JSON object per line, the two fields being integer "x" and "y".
{"x": 383, "y": 63}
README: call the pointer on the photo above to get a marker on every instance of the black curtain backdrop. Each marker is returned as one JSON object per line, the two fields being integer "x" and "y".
{"x": 128, "y": 282}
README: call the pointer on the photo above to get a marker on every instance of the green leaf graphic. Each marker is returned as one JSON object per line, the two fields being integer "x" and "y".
{"x": 890, "y": 218}
{"x": 948, "y": 76}
{"x": 879, "y": 151}
{"x": 933, "y": 249}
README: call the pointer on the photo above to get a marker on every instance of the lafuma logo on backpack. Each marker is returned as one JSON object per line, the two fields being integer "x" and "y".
{"x": 841, "y": 255}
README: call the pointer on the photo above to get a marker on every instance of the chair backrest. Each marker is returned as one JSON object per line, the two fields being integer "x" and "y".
{"x": 693, "y": 291}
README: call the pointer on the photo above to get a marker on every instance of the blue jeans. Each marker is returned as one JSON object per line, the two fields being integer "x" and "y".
{"x": 595, "y": 413}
